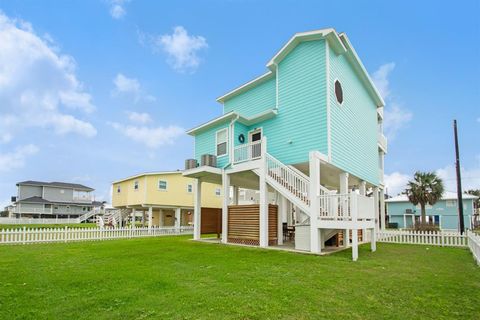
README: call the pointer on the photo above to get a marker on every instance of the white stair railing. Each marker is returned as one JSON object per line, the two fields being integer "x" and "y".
{"x": 295, "y": 183}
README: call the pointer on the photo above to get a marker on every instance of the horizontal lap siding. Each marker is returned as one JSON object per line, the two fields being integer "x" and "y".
{"x": 240, "y": 129}
{"x": 254, "y": 101}
{"x": 301, "y": 124}
{"x": 205, "y": 144}
{"x": 353, "y": 124}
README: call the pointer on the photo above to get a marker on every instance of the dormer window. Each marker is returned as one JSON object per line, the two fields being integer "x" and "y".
{"x": 338, "y": 91}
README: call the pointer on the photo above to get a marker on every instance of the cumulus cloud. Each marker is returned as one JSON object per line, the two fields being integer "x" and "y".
{"x": 117, "y": 8}
{"x": 139, "y": 117}
{"x": 470, "y": 177}
{"x": 151, "y": 137}
{"x": 130, "y": 86}
{"x": 38, "y": 84}
{"x": 181, "y": 48}
{"x": 395, "y": 115}
{"x": 16, "y": 159}
{"x": 396, "y": 182}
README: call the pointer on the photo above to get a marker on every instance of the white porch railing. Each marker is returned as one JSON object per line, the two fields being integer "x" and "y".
{"x": 247, "y": 152}
{"x": 42, "y": 235}
{"x": 346, "y": 207}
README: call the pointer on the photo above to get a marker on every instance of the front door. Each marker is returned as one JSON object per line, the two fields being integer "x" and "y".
{"x": 256, "y": 136}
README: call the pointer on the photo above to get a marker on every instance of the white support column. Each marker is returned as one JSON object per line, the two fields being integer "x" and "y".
{"x": 197, "y": 208}
{"x": 263, "y": 203}
{"x": 315, "y": 237}
{"x": 354, "y": 244}
{"x": 281, "y": 208}
{"x": 225, "y": 203}
{"x": 382, "y": 209}
{"x": 376, "y": 201}
{"x": 178, "y": 217}
{"x": 373, "y": 240}
{"x": 235, "y": 195}
{"x": 133, "y": 219}
{"x": 344, "y": 190}
{"x": 363, "y": 188}
{"x": 150, "y": 214}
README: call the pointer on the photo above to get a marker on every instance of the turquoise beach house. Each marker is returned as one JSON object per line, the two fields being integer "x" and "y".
{"x": 308, "y": 130}
{"x": 444, "y": 213}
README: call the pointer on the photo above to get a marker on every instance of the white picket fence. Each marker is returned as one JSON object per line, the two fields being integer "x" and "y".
{"x": 41, "y": 235}
{"x": 474, "y": 245}
{"x": 434, "y": 238}
{"x": 4, "y": 220}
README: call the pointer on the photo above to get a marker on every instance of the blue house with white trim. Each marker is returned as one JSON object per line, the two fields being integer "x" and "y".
{"x": 309, "y": 130}
{"x": 444, "y": 213}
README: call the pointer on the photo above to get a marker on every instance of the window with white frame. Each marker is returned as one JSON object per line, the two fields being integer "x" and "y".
{"x": 451, "y": 203}
{"x": 118, "y": 189}
{"x": 162, "y": 185}
{"x": 218, "y": 192}
{"x": 135, "y": 185}
{"x": 221, "y": 142}
{"x": 189, "y": 188}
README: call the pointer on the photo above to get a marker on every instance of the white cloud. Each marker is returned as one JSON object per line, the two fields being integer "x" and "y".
{"x": 17, "y": 158}
{"x": 126, "y": 85}
{"x": 151, "y": 137}
{"x": 117, "y": 8}
{"x": 396, "y": 182}
{"x": 139, "y": 117}
{"x": 470, "y": 177}
{"x": 395, "y": 118}
{"x": 38, "y": 84}
{"x": 380, "y": 78}
{"x": 395, "y": 115}
{"x": 181, "y": 48}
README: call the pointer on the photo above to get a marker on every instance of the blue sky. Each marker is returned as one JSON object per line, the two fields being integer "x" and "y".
{"x": 92, "y": 91}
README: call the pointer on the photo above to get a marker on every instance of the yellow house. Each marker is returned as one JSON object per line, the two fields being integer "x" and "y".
{"x": 167, "y": 197}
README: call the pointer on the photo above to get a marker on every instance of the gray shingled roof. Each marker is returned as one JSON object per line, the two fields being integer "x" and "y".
{"x": 34, "y": 200}
{"x": 41, "y": 200}
{"x": 56, "y": 184}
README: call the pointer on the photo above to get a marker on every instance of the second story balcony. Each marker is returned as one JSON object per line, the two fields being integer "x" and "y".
{"x": 247, "y": 152}
{"x": 382, "y": 142}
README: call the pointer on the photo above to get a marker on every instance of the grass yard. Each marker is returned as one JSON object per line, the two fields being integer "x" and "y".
{"x": 175, "y": 278}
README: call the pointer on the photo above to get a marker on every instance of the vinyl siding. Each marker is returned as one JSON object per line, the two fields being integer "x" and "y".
{"x": 254, "y": 101}
{"x": 240, "y": 129}
{"x": 205, "y": 144}
{"x": 448, "y": 215}
{"x": 301, "y": 124}
{"x": 353, "y": 124}
{"x": 25, "y": 191}
{"x": 55, "y": 194}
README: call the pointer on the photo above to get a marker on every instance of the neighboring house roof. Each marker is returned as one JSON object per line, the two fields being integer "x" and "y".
{"x": 41, "y": 200}
{"x": 75, "y": 186}
{"x": 147, "y": 174}
{"x": 339, "y": 42}
{"x": 268, "y": 114}
{"x": 446, "y": 196}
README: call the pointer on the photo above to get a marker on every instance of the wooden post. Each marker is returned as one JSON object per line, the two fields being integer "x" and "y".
{"x": 197, "y": 210}
{"x": 373, "y": 240}
{"x": 314, "y": 166}
{"x": 150, "y": 214}
{"x": 225, "y": 203}
{"x": 263, "y": 223}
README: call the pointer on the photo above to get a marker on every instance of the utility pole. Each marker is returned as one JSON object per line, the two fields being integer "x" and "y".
{"x": 459, "y": 180}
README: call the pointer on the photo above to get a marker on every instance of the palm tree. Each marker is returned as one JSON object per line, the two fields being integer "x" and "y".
{"x": 425, "y": 188}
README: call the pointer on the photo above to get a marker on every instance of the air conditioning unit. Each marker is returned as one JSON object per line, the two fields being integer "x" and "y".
{"x": 191, "y": 164}
{"x": 208, "y": 160}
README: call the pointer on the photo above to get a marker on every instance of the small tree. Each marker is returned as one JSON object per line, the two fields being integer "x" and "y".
{"x": 475, "y": 193}
{"x": 425, "y": 188}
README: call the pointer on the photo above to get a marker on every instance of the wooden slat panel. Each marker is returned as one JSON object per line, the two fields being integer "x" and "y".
{"x": 211, "y": 220}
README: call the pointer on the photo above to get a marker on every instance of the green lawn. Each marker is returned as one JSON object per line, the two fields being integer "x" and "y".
{"x": 175, "y": 278}
{"x": 37, "y": 226}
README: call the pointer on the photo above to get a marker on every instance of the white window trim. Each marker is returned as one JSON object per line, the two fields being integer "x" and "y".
{"x": 189, "y": 185}
{"x": 216, "y": 143}
{"x": 137, "y": 184}
{"x": 166, "y": 185}
{"x": 253, "y": 131}
{"x": 119, "y": 189}
{"x": 220, "y": 192}
{"x": 334, "y": 93}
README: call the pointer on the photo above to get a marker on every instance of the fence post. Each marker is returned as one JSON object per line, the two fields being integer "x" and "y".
{"x": 23, "y": 235}
{"x": 442, "y": 240}
{"x": 65, "y": 235}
